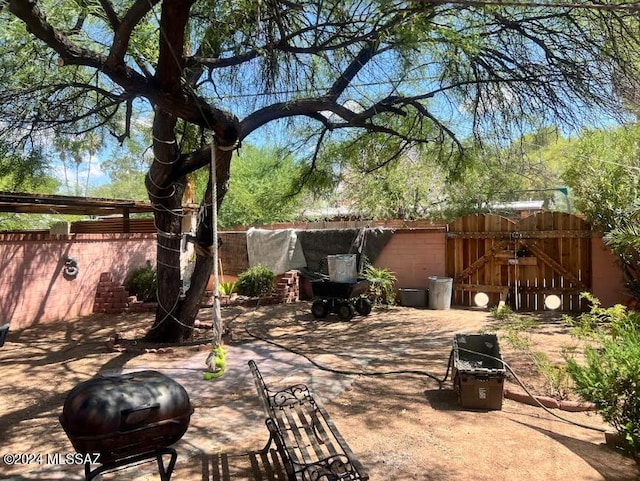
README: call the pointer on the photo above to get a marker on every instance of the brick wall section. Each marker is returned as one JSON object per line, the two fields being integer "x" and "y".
{"x": 33, "y": 288}
{"x": 287, "y": 288}
{"x": 414, "y": 255}
{"x": 111, "y": 297}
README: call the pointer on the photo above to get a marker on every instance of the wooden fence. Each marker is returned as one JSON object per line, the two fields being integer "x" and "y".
{"x": 520, "y": 262}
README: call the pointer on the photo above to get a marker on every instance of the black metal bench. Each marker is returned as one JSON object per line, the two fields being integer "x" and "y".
{"x": 311, "y": 446}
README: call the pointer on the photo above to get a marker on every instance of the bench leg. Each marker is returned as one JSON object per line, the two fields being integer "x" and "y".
{"x": 265, "y": 464}
{"x": 219, "y": 467}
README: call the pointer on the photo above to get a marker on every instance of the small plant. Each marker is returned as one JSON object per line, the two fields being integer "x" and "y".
{"x": 381, "y": 284}
{"x": 502, "y": 312}
{"x": 609, "y": 377}
{"x": 557, "y": 379}
{"x": 256, "y": 281}
{"x": 598, "y": 320}
{"x": 227, "y": 288}
{"x": 143, "y": 283}
{"x": 515, "y": 327}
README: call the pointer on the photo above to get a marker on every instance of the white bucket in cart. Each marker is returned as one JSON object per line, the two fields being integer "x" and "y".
{"x": 342, "y": 268}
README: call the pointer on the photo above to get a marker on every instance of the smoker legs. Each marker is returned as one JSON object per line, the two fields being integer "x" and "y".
{"x": 158, "y": 454}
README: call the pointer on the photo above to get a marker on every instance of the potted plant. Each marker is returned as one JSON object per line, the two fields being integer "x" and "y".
{"x": 381, "y": 285}
{"x": 226, "y": 290}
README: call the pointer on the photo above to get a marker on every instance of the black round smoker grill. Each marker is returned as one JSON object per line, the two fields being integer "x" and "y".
{"x": 127, "y": 418}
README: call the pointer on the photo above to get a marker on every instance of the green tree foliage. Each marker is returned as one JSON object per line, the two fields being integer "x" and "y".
{"x": 624, "y": 239}
{"x": 125, "y": 168}
{"x": 261, "y": 188}
{"x": 226, "y": 69}
{"x": 626, "y": 236}
{"x": 528, "y": 168}
{"x": 428, "y": 182}
{"x": 375, "y": 178}
{"x": 603, "y": 170}
{"x": 21, "y": 172}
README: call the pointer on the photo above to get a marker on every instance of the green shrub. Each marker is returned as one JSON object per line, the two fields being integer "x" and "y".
{"x": 502, "y": 312}
{"x": 609, "y": 377}
{"x": 381, "y": 284}
{"x": 598, "y": 320}
{"x": 255, "y": 282}
{"x": 143, "y": 283}
{"x": 556, "y": 377}
{"x": 515, "y": 327}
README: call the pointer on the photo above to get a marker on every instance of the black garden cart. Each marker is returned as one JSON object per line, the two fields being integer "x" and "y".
{"x": 342, "y": 298}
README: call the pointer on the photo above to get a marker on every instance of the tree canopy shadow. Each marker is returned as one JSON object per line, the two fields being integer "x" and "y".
{"x": 593, "y": 454}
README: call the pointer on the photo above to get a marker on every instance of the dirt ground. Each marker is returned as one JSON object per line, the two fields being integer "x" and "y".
{"x": 401, "y": 426}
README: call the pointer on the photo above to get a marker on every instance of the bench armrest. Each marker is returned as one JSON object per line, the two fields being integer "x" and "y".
{"x": 336, "y": 467}
{"x": 271, "y": 400}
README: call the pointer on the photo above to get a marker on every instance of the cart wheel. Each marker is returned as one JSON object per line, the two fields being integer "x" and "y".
{"x": 363, "y": 306}
{"x": 345, "y": 311}
{"x": 319, "y": 309}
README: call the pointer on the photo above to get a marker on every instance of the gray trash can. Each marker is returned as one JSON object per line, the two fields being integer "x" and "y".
{"x": 440, "y": 291}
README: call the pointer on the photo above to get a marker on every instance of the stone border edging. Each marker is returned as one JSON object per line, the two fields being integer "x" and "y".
{"x": 548, "y": 402}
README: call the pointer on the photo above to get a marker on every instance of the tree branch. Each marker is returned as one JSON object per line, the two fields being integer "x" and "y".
{"x": 356, "y": 65}
{"x": 123, "y": 33}
{"x": 110, "y": 13}
{"x": 187, "y": 106}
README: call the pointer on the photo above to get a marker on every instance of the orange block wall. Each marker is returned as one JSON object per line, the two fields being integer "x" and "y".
{"x": 33, "y": 289}
{"x": 414, "y": 256}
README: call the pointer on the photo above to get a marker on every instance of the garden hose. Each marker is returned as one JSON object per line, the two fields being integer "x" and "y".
{"x": 352, "y": 373}
{"x": 419, "y": 373}
{"x": 519, "y": 381}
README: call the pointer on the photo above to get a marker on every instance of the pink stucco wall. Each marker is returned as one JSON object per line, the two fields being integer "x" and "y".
{"x": 607, "y": 283}
{"x": 33, "y": 289}
{"x": 414, "y": 255}
{"x": 32, "y": 286}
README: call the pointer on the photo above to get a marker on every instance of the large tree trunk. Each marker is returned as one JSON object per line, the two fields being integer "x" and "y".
{"x": 175, "y": 317}
{"x": 165, "y": 193}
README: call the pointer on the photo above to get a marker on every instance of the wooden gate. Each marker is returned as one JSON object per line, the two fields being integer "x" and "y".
{"x": 520, "y": 262}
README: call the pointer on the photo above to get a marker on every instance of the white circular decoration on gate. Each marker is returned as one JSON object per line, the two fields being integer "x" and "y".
{"x": 552, "y": 302}
{"x": 481, "y": 299}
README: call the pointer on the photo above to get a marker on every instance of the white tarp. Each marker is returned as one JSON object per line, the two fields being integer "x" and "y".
{"x": 279, "y": 250}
